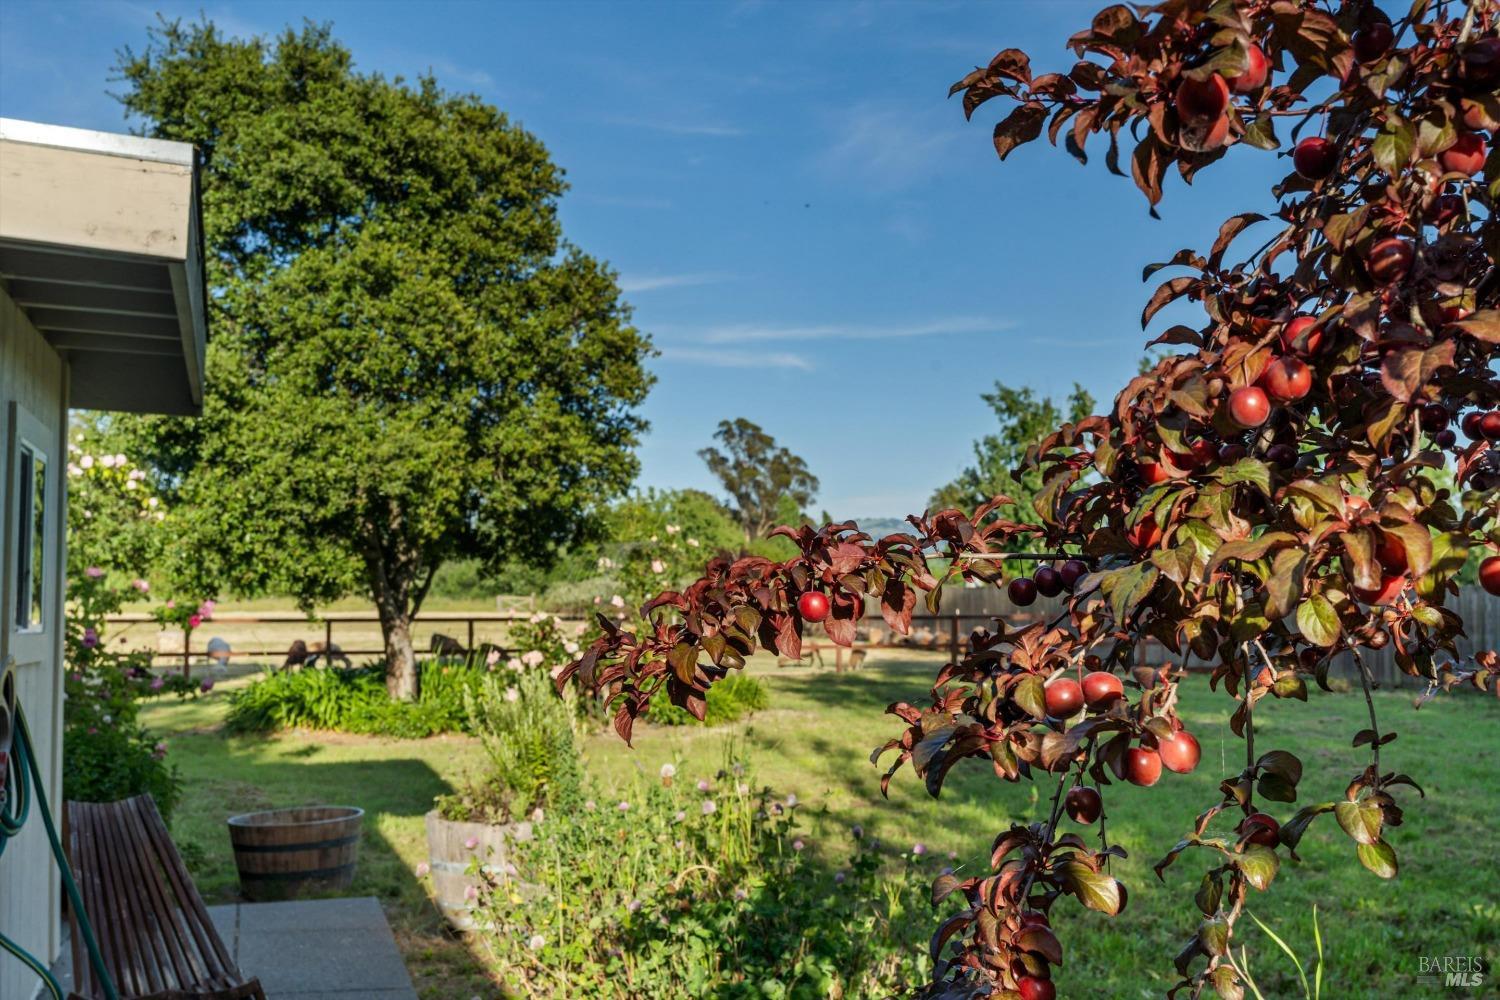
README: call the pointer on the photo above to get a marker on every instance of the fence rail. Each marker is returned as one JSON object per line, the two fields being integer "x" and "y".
{"x": 251, "y": 639}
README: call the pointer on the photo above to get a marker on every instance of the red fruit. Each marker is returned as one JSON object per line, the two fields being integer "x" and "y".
{"x": 1286, "y": 379}
{"x": 1199, "y": 102}
{"x": 1248, "y": 406}
{"x": 1489, "y": 575}
{"x": 813, "y": 606}
{"x": 1145, "y": 534}
{"x": 1203, "y": 137}
{"x": 1390, "y": 588}
{"x": 1302, "y": 335}
{"x": 1261, "y": 829}
{"x": 1100, "y": 688}
{"x": 1256, "y": 71}
{"x": 1373, "y": 41}
{"x": 1022, "y": 591}
{"x": 1390, "y": 553}
{"x": 1155, "y": 472}
{"x": 1389, "y": 260}
{"x": 1083, "y": 804}
{"x": 1142, "y": 766}
{"x": 1032, "y": 988}
{"x": 1445, "y": 438}
{"x": 1071, "y": 572}
{"x": 1204, "y": 452}
{"x": 1434, "y": 417}
{"x": 1282, "y": 455}
{"x": 1470, "y": 425}
{"x": 1315, "y": 157}
{"x": 1049, "y": 582}
{"x": 1179, "y": 752}
{"x": 1465, "y": 156}
{"x": 1064, "y": 698}
{"x": 1231, "y": 452}
{"x": 1489, "y": 425}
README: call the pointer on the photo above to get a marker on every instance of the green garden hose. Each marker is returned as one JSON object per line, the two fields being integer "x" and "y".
{"x": 16, "y": 789}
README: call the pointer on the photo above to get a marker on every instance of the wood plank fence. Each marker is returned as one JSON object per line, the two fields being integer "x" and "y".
{"x": 967, "y": 608}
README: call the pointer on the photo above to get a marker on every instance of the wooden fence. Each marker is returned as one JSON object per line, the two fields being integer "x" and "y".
{"x": 265, "y": 637}
{"x": 967, "y": 608}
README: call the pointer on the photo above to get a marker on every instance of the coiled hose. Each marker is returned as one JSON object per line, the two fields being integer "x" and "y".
{"x": 20, "y": 779}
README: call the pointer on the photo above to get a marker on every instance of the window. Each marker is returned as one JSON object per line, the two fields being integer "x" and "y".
{"x": 31, "y": 537}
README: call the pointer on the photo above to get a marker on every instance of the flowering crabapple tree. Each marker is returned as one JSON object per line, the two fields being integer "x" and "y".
{"x": 1262, "y": 500}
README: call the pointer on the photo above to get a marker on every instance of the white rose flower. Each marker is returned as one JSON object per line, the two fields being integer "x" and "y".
{"x": 533, "y": 658}
{"x": 693, "y": 542}
{"x": 617, "y": 601}
{"x": 514, "y": 664}
{"x": 86, "y": 461}
{"x": 658, "y": 567}
{"x": 511, "y": 694}
{"x": 673, "y": 529}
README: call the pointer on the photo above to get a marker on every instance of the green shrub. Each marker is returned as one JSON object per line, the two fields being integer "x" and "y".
{"x": 355, "y": 701}
{"x": 676, "y": 892}
{"x": 107, "y": 755}
{"x": 729, "y": 700}
{"x": 116, "y": 762}
{"x": 527, "y": 732}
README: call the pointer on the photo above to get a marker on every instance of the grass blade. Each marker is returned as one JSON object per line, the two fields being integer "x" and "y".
{"x": 1306, "y": 990}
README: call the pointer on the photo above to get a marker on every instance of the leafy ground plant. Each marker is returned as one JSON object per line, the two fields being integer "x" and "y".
{"x": 701, "y": 887}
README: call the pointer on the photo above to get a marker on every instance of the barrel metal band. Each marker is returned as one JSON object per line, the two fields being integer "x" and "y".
{"x": 284, "y": 848}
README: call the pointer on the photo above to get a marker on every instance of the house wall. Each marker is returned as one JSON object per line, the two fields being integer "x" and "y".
{"x": 34, "y": 377}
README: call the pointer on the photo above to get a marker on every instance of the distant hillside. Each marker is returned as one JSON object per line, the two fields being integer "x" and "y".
{"x": 878, "y": 527}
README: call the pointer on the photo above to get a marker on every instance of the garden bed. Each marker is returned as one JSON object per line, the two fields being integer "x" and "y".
{"x": 814, "y": 741}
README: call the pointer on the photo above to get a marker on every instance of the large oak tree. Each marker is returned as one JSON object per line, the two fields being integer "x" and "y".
{"x": 408, "y": 362}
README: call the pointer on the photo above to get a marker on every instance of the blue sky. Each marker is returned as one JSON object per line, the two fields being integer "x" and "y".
{"x": 804, "y": 223}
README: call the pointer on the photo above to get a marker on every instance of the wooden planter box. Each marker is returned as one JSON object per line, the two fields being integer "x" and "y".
{"x": 449, "y": 859}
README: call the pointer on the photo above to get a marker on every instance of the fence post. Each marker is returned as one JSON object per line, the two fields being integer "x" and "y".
{"x": 953, "y": 636}
{"x": 187, "y": 654}
{"x": 327, "y": 638}
{"x": 470, "y": 646}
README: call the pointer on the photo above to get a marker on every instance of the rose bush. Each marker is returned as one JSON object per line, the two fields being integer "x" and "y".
{"x": 1268, "y": 498}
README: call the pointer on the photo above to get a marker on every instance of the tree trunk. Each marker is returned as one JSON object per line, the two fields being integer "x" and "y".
{"x": 400, "y": 658}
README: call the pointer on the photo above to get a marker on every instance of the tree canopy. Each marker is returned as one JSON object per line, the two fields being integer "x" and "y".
{"x": 1000, "y": 458}
{"x": 758, "y": 475}
{"x": 407, "y": 361}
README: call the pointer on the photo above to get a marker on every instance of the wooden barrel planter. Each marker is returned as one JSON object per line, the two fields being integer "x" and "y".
{"x": 449, "y": 855}
{"x": 284, "y": 853}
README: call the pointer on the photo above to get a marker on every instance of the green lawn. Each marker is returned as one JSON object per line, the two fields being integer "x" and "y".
{"x": 815, "y": 741}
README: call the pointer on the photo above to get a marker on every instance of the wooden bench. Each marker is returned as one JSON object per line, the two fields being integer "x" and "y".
{"x": 154, "y": 932}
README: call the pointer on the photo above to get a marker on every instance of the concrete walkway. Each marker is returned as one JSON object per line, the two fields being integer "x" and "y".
{"x": 317, "y": 949}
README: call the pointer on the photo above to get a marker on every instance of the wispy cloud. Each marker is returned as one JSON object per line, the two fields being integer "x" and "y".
{"x": 448, "y": 71}
{"x": 752, "y": 333}
{"x": 886, "y": 147}
{"x": 677, "y": 127}
{"x": 722, "y": 358}
{"x": 650, "y": 283}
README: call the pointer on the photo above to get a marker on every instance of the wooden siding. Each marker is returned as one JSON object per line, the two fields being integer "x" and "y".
{"x": 32, "y": 375}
